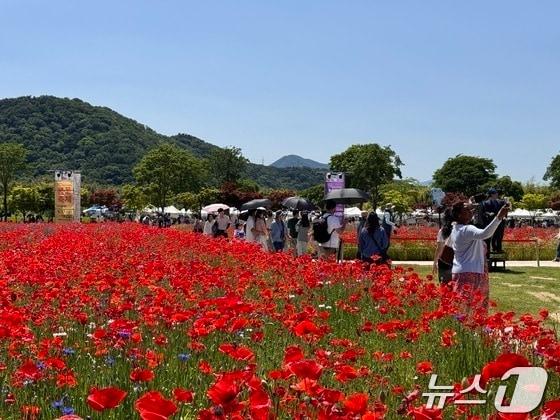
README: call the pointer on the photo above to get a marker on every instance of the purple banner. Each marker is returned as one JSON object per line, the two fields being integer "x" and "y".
{"x": 335, "y": 181}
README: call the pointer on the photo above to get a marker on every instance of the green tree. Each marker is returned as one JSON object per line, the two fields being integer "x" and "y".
{"x": 207, "y": 196}
{"x": 418, "y": 196}
{"x": 133, "y": 197}
{"x": 12, "y": 161}
{"x": 314, "y": 194}
{"x": 552, "y": 173}
{"x": 368, "y": 167}
{"x": 168, "y": 170}
{"x": 464, "y": 174}
{"x": 187, "y": 200}
{"x": 554, "y": 201}
{"x": 227, "y": 164}
{"x": 46, "y": 198}
{"x": 25, "y": 199}
{"x": 533, "y": 202}
{"x": 403, "y": 202}
{"x": 509, "y": 188}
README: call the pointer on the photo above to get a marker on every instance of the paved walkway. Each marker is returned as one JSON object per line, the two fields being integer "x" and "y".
{"x": 508, "y": 263}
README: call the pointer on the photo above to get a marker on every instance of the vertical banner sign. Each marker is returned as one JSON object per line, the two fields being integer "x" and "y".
{"x": 77, "y": 185}
{"x": 66, "y": 196}
{"x": 335, "y": 181}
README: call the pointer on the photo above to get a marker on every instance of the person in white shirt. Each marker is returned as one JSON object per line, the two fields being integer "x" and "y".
{"x": 470, "y": 269}
{"x": 222, "y": 222}
{"x": 208, "y": 225}
{"x": 335, "y": 228}
{"x": 249, "y": 235}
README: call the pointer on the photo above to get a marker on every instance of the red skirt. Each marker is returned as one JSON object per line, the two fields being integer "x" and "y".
{"x": 475, "y": 289}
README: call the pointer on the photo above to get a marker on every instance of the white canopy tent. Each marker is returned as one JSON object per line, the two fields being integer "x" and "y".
{"x": 520, "y": 214}
{"x": 352, "y": 212}
{"x": 172, "y": 211}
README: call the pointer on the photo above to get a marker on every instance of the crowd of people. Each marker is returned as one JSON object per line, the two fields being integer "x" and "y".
{"x": 303, "y": 232}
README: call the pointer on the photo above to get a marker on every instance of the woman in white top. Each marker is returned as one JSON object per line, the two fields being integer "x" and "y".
{"x": 249, "y": 235}
{"x": 470, "y": 269}
{"x": 260, "y": 232}
{"x": 208, "y": 225}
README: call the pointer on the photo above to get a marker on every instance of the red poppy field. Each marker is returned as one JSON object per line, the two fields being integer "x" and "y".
{"x": 121, "y": 321}
{"x": 419, "y": 243}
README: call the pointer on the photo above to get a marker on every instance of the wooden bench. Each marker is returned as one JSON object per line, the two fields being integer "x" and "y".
{"x": 495, "y": 259}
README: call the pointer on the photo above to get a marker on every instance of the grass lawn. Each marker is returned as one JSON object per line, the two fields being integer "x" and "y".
{"x": 522, "y": 289}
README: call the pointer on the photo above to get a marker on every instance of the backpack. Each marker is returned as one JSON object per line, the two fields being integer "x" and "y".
{"x": 321, "y": 229}
{"x": 292, "y": 227}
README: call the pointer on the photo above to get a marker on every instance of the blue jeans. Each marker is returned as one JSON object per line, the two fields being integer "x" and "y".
{"x": 278, "y": 245}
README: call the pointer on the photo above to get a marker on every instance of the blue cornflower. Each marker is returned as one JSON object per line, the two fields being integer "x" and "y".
{"x": 68, "y": 351}
{"x": 40, "y": 365}
{"x": 58, "y": 404}
{"x": 67, "y": 411}
{"x": 124, "y": 334}
{"x": 183, "y": 357}
{"x": 110, "y": 360}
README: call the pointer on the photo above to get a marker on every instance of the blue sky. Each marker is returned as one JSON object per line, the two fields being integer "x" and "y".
{"x": 430, "y": 78}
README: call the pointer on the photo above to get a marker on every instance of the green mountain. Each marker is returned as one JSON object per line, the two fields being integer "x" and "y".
{"x": 295, "y": 161}
{"x": 104, "y": 145}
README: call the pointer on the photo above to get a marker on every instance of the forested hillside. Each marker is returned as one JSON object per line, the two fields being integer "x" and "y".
{"x": 104, "y": 145}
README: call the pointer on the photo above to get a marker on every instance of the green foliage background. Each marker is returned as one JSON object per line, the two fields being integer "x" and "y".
{"x": 104, "y": 145}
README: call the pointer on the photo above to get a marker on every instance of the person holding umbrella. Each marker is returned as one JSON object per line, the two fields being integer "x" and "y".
{"x": 334, "y": 228}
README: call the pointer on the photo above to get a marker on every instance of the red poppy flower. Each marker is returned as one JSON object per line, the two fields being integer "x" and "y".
{"x": 66, "y": 379}
{"x": 307, "y": 327}
{"x": 141, "y": 375}
{"x": 552, "y": 408}
{"x": 205, "y": 367}
{"x": 237, "y": 352}
{"x": 306, "y": 369}
{"x": 424, "y": 367}
{"x": 292, "y": 354}
{"x": 345, "y": 373}
{"x": 30, "y": 412}
{"x": 259, "y": 401}
{"x": 511, "y": 416}
{"x": 223, "y": 392}
{"x": 105, "y": 398}
{"x": 423, "y": 413}
{"x": 501, "y": 365}
{"x": 356, "y": 403}
{"x": 183, "y": 395}
{"x": 153, "y": 406}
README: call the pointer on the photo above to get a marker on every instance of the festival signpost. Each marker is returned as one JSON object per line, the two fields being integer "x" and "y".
{"x": 335, "y": 181}
{"x": 67, "y": 205}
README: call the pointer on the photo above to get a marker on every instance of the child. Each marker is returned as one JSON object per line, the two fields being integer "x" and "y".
{"x": 239, "y": 232}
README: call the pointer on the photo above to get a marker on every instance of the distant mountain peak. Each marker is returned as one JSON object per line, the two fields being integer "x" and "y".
{"x": 295, "y": 161}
